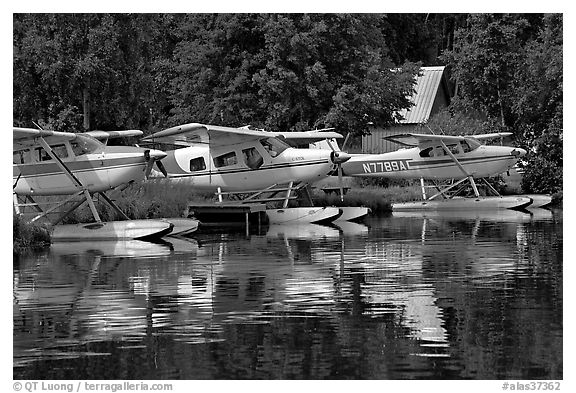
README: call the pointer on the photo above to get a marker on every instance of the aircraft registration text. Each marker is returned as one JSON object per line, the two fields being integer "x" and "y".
{"x": 386, "y": 166}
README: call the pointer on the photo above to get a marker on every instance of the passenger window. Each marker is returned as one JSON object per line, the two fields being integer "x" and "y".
{"x": 252, "y": 158}
{"x": 426, "y": 152}
{"x": 225, "y": 160}
{"x": 21, "y": 157}
{"x": 197, "y": 164}
{"x": 59, "y": 150}
{"x": 465, "y": 147}
{"x": 439, "y": 151}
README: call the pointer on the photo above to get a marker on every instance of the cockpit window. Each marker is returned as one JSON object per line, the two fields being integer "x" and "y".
{"x": 274, "y": 146}
{"x": 84, "y": 144}
{"x": 457, "y": 148}
{"x": 453, "y": 148}
{"x": 59, "y": 150}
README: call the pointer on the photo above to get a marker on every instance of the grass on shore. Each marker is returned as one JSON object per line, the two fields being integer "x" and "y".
{"x": 378, "y": 199}
{"x": 154, "y": 198}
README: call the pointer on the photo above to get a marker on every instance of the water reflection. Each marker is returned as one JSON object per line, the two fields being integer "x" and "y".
{"x": 406, "y": 296}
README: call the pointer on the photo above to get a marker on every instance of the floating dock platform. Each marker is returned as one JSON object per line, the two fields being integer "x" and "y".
{"x": 229, "y": 215}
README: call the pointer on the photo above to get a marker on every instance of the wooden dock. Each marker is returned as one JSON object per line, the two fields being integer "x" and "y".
{"x": 227, "y": 214}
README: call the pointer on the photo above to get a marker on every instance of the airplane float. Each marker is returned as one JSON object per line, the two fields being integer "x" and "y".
{"x": 79, "y": 165}
{"x": 257, "y": 163}
{"x": 459, "y": 159}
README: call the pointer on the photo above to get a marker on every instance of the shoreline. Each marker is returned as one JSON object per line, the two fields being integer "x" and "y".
{"x": 159, "y": 198}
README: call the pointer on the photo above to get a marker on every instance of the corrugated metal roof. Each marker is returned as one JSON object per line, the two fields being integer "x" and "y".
{"x": 426, "y": 88}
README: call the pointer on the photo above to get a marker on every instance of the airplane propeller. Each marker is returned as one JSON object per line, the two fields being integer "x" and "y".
{"x": 338, "y": 158}
{"x": 150, "y": 159}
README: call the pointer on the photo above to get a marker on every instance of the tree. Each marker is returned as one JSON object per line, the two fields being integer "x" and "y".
{"x": 538, "y": 106}
{"x": 85, "y": 71}
{"x": 484, "y": 59}
{"x": 287, "y": 72}
{"x": 510, "y": 68}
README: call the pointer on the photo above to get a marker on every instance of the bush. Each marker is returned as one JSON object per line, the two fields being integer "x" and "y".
{"x": 543, "y": 166}
{"x": 382, "y": 182}
{"x": 27, "y": 236}
{"x": 541, "y": 176}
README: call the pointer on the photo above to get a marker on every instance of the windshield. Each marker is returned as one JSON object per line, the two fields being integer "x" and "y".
{"x": 274, "y": 146}
{"x": 84, "y": 144}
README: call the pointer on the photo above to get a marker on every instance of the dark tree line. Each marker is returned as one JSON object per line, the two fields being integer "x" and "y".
{"x": 289, "y": 72}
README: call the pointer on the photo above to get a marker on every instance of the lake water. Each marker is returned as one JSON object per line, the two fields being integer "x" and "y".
{"x": 466, "y": 296}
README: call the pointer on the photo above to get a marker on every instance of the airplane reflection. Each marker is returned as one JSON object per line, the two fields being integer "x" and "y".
{"x": 191, "y": 290}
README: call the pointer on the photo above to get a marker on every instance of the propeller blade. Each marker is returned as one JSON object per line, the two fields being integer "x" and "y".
{"x": 149, "y": 163}
{"x": 340, "y": 182}
{"x": 161, "y": 167}
{"x": 148, "y": 169}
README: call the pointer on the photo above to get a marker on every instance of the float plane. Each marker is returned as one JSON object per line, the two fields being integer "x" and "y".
{"x": 78, "y": 165}
{"x": 252, "y": 162}
{"x": 458, "y": 159}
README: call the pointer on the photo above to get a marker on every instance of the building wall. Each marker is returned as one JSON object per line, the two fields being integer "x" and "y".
{"x": 432, "y": 95}
{"x": 374, "y": 143}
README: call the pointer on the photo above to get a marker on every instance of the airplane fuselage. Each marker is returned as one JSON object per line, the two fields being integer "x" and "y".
{"x": 245, "y": 166}
{"x": 98, "y": 171}
{"x": 411, "y": 163}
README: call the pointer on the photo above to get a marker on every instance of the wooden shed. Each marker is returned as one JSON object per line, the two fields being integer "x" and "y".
{"x": 432, "y": 94}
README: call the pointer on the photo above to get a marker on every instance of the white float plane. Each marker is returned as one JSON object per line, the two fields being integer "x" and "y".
{"x": 48, "y": 163}
{"x": 442, "y": 157}
{"x": 231, "y": 160}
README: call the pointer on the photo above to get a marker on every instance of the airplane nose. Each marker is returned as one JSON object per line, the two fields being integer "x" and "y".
{"x": 518, "y": 152}
{"x": 155, "y": 154}
{"x": 339, "y": 157}
{"x": 152, "y": 156}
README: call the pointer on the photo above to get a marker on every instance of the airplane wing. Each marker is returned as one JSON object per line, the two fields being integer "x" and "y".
{"x": 483, "y": 137}
{"x": 307, "y": 137}
{"x": 419, "y": 139}
{"x": 24, "y": 137}
{"x": 113, "y": 134}
{"x": 192, "y": 133}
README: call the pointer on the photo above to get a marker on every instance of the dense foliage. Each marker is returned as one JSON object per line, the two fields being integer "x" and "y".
{"x": 28, "y": 236}
{"x": 509, "y": 67}
{"x": 291, "y": 72}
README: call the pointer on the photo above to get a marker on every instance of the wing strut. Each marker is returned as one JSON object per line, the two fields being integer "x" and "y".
{"x": 71, "y": 176}
{"x": 469, "y": 176}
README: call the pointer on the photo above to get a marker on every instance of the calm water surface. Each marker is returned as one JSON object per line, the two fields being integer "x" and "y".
{"x": 398, "y": 297}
